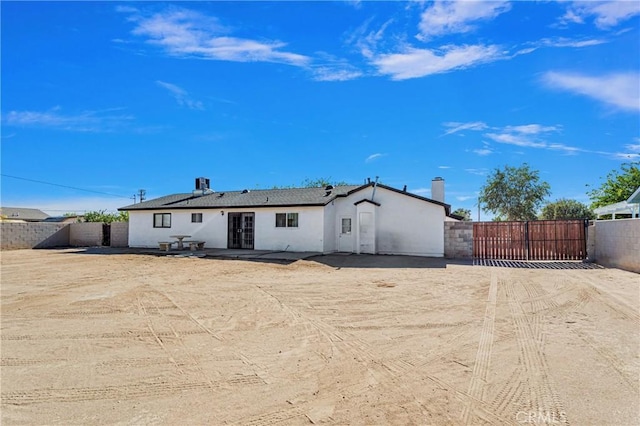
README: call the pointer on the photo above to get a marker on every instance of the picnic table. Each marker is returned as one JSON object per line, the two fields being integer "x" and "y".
{"x": 180, "y": 238}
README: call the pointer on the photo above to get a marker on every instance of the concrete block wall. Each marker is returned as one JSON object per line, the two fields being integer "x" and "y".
{"x": 618, "y": 243}
{"x": 17, "y": 235}
{"x": 458, "y": 240}
{"x": 86, "y": 234}
{"x": 120, "y": 234}
{"x": 591, "y": 242}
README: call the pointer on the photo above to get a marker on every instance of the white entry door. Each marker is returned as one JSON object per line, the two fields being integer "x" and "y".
{"x": 367, "y": 233}
{"x": 345, "y": 236}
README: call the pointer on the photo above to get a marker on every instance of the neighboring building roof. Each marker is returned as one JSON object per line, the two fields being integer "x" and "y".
{"x": 63, "y": 219}
{"x": 20, "y": 213}
{"x": 631, "y": 205}
{"x": 262, "y": 198}
{"x": 635, "y": 197}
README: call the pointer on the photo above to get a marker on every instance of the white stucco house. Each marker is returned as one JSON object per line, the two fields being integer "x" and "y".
{"x": 370, "y": 218}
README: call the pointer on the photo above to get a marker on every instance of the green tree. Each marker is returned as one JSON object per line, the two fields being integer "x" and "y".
{"x": 313, "y": 183}
{"x": 321, "y": 182}
{"x": 103, "y": 217}
{"x": 618, "y": 186}
{"x": 514, "y": 193}
{"x": 465, "y": 213}
{"x": 566, "y": 209}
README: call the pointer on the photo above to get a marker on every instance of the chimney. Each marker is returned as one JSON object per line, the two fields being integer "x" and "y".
{"x": 437, "y": 189}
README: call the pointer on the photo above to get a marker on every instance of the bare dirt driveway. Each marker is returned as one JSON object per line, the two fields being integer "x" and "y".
{"x": 134, "y": 339}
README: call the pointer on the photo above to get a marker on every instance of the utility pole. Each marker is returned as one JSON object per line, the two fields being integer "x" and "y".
{"x": 142, "y": 193}
{"x": 134, "y": 198}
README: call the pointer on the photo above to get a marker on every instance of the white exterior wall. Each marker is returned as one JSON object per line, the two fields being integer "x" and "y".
{"x": 405, "y": 225}
{"x": 330, "y": 230}
{"x": 308, "y": 236}
{"x": 143, "y": 234}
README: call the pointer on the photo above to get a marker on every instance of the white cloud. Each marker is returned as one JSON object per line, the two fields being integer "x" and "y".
{"x": 531, "y": 129}
{"x": 569, "y": 150}
{"x": 606, "y": 14}
{"x": 483, "y": 151}
{"x": 454, "y": 17}
{"x": 455, "y": 127}
{"x": 621, "y": 90}
{"x": 466, "y": 197}
{"x": 86, "y": 121}
{"x": 334, "y": 69}
{"x": 477, "y": 172}
{"x": 413, "y": 63}
{"x": 374, "y": 157}
{"x": 515, "y": 139}
{"x": 420, "y": 191}
{"x": 181, "y": 96}
{"x": 625, "y": 156}
{"x": 535, "y": 136}
{"x": 567, "y": 42}
{"x": 633, "y": 147}
{"x": 187, "y": 33}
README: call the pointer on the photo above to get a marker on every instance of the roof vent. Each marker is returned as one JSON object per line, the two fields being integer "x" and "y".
{"x": 328, "y": 187}
{"x": 245, "y": 191}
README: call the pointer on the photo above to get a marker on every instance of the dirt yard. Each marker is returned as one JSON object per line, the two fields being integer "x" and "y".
{"x": 134, "y": 339}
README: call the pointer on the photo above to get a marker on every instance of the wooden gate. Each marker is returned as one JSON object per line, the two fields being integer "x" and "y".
{"x": 531, "y": 240}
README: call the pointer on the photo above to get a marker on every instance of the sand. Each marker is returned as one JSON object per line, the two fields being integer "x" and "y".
{"x": 132, "y": 339}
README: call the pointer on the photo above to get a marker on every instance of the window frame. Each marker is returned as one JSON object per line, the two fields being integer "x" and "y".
{"x": 287, "y": 220}
{"x": 343, "y": 221}
{"x": 162, "y": 220}
{"x": 195, "y": 217}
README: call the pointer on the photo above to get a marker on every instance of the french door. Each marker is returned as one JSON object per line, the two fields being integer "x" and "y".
{"x": 241, "y": 230}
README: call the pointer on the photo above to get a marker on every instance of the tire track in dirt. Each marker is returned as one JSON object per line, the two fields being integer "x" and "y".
{"x": 540, "y": 394}
{"x": 510, "y": 394}
{"x": 158, "y": 340}
{"x": 137, "y": 334}
{"x": 388, "y": 373}
{"x": 483, "y": 355}
{"x": 87, "y": 313}
{"x": 273, "y": 417}
{"x": 20, "y": 362}
{"x": 403, "y": 326}
{"x": 611, "y": 358}
{"x": 612, "y": 302}
{"x": 130, "y": 391}
{"x": 188, "y": 315}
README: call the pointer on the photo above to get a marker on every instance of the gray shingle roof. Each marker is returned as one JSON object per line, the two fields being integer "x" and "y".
{"x": 20, "y": 213}
{"x": 262, "y": 198}
{"x": 252, "y": 198}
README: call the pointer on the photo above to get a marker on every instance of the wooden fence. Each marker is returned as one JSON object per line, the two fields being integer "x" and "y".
{"x": 531, "y": 240}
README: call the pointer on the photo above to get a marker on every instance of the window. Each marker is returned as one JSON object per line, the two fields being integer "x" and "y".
{"x": 292, "y": 220}
{"x": 162, "y": 220}
{"x": 346, "y": 225}
{"x": 196, "y": 217}
{"x": 286, "y": 220}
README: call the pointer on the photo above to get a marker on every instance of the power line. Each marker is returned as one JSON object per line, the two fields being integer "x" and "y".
{"x": 64, "y": 186}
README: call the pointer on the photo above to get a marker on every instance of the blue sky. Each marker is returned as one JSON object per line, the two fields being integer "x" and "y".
{"x": 106, "y": 98}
